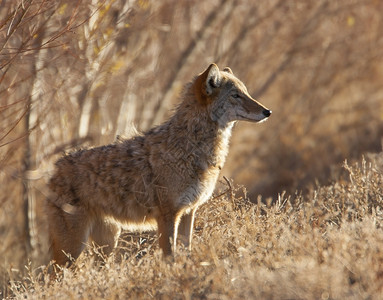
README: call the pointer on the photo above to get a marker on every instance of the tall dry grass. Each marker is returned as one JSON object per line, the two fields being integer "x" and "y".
{"x": 324, "y": 246}
{"x": 74, "y": 74}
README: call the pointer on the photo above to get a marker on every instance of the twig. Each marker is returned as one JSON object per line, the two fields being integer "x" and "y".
{"x": 229, "y": 189}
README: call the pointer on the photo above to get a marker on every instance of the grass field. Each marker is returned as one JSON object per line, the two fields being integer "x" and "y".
{"x": 327, "y": 245}
{"x": 75, "y": 74}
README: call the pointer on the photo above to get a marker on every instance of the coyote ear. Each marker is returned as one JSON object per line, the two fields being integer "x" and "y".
{"x": 206, "y": 82}
{"x": 228, "y": 70}
{"x": 213, "y": 79}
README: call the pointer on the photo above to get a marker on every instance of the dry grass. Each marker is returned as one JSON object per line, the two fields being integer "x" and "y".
{"x": 324, "y": 246}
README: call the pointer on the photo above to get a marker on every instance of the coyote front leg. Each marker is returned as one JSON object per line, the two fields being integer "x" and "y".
{"x": 167, "y": 231}
{"x": 185, "y": 229}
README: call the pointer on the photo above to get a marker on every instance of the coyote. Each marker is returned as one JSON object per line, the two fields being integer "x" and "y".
{"x": 154, "y": 180}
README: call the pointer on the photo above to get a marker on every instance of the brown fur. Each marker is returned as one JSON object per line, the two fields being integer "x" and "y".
{"x": 157, "y": 179}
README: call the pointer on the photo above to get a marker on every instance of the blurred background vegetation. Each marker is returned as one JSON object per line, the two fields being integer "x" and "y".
{"x": 78, "y": 73}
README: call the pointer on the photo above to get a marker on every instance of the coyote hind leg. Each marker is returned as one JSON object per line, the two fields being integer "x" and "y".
{"x": 68, "y": 231}
{"x": 105, "y": 234}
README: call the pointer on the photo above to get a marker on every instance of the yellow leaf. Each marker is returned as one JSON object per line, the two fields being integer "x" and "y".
{"x": 350, "y": 21}
{"x": 117, "y": 65}
{"x": 62, "y": 8}
{"x": 108, "y": 32}
{"x": 96, "y": 50}
{"x": 105, "y": 8}
{"x": 144, "y": 4}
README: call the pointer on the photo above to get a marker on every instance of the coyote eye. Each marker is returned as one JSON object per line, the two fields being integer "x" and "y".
{"x": 236, "y": 95}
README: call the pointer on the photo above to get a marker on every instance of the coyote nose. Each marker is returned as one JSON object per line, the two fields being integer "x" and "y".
{"x": 266, "y": 112}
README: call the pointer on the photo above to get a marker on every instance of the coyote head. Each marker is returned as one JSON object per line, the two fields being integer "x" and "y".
{"x": 226, "y": 97}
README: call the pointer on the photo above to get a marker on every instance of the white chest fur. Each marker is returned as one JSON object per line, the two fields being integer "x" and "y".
{"x": 201, "y": 190}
